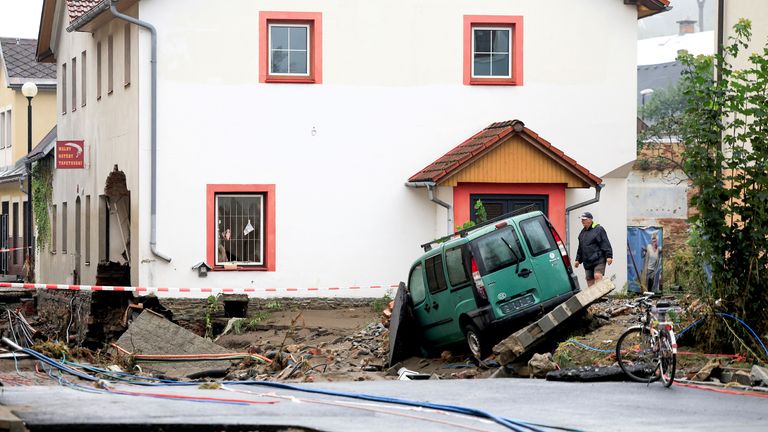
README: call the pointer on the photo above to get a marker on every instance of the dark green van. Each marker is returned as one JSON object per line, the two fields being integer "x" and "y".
{"x": 486, "y": 282}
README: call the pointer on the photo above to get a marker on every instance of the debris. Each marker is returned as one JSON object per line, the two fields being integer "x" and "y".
{"x": 541, "y": 364}
{"x": 593, "y": 374}
{"x": 742, "y": 377}
{"x": 523, "y": 340}
{"x": 759, "y": 376}
{"x": 708, "y": 370}
{"x": 151, "y": 333}
{"x": 406, "y": 374}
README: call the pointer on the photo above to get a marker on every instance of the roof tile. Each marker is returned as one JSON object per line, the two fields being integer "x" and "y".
{"x": 496, "y": 133}
{"x": 77, "y": 8}
{"x": 19, "y": 56}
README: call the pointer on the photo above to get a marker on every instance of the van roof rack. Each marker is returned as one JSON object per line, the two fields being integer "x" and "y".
{"x": 463, "y": 233}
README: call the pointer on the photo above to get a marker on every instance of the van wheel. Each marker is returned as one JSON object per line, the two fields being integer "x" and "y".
{"x": 476, "y": 343}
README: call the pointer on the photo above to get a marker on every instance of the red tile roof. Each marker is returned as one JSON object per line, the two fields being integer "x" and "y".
{"x": 479, "y": 144}
{"x": 77, "y": 8}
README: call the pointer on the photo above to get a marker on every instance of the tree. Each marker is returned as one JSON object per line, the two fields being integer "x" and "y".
{"x": 724, "y": 132}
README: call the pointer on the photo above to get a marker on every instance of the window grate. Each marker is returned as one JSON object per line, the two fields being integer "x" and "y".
{"x": 239, "y": 230}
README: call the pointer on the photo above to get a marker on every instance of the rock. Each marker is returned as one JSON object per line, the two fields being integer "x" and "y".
{"x": 708, "y": 370}
{"x": 759, "y": 376}
{"x": 742, "y": 377}
{"x": 541, "y": 364}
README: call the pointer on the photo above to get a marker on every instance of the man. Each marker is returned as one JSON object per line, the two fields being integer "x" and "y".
{"x": 594, "y": 249}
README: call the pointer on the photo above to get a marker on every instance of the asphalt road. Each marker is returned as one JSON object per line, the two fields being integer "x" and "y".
{"x": 591, "y": 407}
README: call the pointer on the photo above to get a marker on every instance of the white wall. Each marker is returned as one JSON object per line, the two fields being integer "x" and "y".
{"x": 392, "y": 101}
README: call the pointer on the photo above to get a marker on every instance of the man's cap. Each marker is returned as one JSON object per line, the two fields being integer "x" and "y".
{"x": 586, "y": 215}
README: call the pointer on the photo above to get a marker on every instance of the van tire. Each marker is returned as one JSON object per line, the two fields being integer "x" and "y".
{"x": 476, "y": 343}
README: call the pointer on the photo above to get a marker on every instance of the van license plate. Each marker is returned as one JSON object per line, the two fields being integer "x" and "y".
{"x": 516, "y": 304}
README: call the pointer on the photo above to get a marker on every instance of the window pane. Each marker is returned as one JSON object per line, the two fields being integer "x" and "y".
{"x": 500, "y": 41}
{"x": 416, "y": 285}
{"x": 538, "y": 236}
{"x": 298, "y": 38}
{"x": 457, "y": 271}
{"x": 279, "y": 62}
{"x": 298, "y": 62}
{"x": 500, "y": 64}
{"x": 482, "y": 65}
{"x": 435, "y": 274}
{"x": 280, "y": 37}
{"x": 482, "y": 40}
{"x": 499, "y": 249}
{"x": 239, "y": 229}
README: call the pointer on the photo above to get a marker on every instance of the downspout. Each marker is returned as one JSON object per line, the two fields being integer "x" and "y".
{"x": 153, "y": 127}
{"x": 432, "y": 197}
{"x": 598, "y": 188}
{"x": 720, "y": 27}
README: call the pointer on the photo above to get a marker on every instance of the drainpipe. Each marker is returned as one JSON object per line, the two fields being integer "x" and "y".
{"x": 153, "y": 96}
{"x": 720, "y": 28}
{"x": 598, "y": 188}
{"x": 432, "y": 197}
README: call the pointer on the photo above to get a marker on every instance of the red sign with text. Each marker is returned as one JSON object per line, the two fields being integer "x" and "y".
{"x": 70, "y": 154}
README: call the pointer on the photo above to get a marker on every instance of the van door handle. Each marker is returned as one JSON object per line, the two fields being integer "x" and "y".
{"x": 435, "y": 305}
{"x": 525, "y": 273}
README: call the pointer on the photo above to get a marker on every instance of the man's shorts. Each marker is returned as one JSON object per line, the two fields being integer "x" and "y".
{"x": 600, "y": 268}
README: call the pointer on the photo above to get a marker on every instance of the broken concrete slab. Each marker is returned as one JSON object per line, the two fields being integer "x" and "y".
{"x": 523, "y": 340}
{"x": 151, "y": 333}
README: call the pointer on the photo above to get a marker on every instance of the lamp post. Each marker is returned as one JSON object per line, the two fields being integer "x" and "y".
{"x": 29, "y": 90}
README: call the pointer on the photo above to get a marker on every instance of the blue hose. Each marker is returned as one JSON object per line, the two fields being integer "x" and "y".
{"x": 512, "y": 424}
{"x": 587, "y": 347}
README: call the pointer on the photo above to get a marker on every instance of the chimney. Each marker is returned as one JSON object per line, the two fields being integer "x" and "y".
{"x": 687, "y": 26}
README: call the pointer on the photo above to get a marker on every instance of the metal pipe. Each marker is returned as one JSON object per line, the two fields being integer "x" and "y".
{"x": 720, "y": 28}
{"x": 29, "y": 250}
{"x": 598, "y": 188}
{"x": 11, "y": 344}
{"x": 153, "y": 96}
{"x": 431, "y": 194}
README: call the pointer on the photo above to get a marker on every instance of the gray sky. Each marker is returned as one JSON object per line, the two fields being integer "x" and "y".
{"x": 20, "y": 18}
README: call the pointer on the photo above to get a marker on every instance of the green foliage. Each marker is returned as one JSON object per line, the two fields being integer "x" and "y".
{"x": 42, "y": 193}
{"x": 726, "y": 157}
{"x": 273, "y": 305}
{"x": 378, "y": 305}
{"x": 482, "y": 216}
{"x": 212, "y": 306}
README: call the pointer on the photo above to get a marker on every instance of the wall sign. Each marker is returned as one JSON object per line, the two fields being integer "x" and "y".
{"x": 70, "y": 154}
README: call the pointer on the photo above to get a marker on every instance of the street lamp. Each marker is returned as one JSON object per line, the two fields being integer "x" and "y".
{"x": 29, "y": 90}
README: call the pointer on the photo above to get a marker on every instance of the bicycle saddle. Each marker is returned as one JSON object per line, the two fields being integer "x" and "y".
{"x": 663, "y": 304}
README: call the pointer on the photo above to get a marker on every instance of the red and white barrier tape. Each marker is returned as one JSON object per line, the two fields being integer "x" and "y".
{"x": 211, "y": 290}
{"x": 13, "y": 249}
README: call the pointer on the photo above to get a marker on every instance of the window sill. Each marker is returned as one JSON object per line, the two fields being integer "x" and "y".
{"x": 220, "y": 268}
{"x": 492, "y": 81}
{"x": 98, "y": 98}
{"x": 109, "y": 93}
{"x": 126, "y": 85}
{"x": 290, "y": 80}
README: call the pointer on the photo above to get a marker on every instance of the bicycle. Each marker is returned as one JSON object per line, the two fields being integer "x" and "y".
{"x": 648, "y": 352}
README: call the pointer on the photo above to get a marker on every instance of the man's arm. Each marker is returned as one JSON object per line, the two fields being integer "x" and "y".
{"x": 605, "y": 246}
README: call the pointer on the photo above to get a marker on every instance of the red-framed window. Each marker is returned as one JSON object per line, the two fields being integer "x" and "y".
{"x": 291, "y": 47}
{"x": 241, "y": 227}
{"x": 493, "y": 50}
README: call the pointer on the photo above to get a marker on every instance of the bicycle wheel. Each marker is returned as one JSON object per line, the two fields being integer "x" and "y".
{"x": 667, "y": 359}
{"x": 635, "y": 355}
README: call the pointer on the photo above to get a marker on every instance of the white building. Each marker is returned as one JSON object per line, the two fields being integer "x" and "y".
{"x": 297, "y": 124}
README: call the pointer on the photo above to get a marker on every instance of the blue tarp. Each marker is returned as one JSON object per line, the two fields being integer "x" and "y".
{"x": 643, "y": 269}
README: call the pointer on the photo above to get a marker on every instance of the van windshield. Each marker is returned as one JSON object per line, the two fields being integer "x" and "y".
{"x": 498, "y": 249}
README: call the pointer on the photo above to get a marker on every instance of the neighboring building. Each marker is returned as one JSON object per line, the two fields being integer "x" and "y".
{"x": 18, "y": 66}
{"x": 728, "y": 14}
{"x": 287, "y": 130}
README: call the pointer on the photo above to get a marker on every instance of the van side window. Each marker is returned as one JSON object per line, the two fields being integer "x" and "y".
{"x": 457, "y": 271}
{"x": 538, "y": 236}
{"x": 416, "y": 285}
{"x": 435, "y": 274}
{"x": 499, "y": 249}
